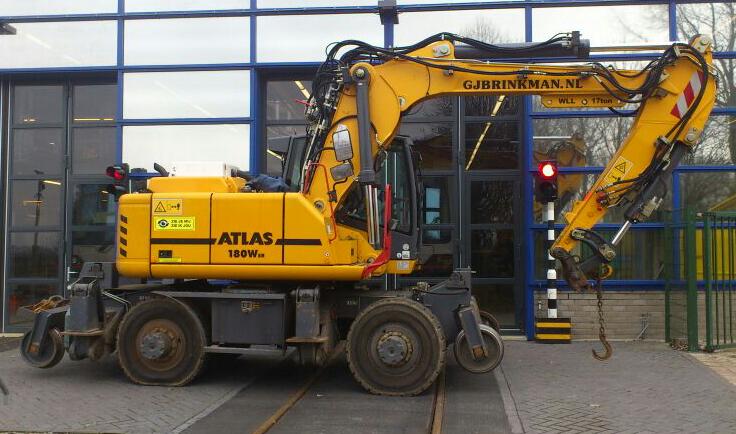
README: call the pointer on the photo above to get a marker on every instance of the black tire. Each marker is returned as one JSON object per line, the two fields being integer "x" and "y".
{"x": 49, "y": 355}
{"x": 417, "y": 330}
{"x": 180, "y": 362}
{"x": 494, "y": 346}
{"x": 488, "y": 319}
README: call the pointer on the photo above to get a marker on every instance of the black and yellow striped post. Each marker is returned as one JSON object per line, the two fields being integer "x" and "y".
{"x": 552, "y": 330}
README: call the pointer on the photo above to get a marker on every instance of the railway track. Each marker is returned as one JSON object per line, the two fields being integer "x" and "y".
{"x": 434, "y": 420}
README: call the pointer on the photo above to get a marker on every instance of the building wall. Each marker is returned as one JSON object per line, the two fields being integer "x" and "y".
{"x": 189, "y": 77}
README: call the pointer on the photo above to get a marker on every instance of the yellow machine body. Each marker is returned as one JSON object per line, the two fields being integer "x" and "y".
{"x": 218, "y": 231}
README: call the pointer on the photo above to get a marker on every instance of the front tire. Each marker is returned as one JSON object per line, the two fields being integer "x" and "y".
{"x": 396, "y": 347}
{"x": 161, "y": 342}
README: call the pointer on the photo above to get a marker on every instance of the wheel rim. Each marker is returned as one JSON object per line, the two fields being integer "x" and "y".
{"x": 396, "y": 348}
{"x": 160, "y": 345}
{"x": 494, "y": 347}
{"x": 47, "y": 356}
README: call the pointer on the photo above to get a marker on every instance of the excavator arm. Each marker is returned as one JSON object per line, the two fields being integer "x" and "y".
{"x": 357, "y": 102}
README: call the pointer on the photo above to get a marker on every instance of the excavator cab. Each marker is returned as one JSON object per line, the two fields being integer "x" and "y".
{"x": 398, "y": 166}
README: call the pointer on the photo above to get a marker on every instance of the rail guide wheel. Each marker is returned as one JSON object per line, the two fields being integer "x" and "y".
{"x": 50, "y": 353}
{"x": 396, "y": 347}
{"x": 161, "y": 342}
{"x": 494, "y": 351}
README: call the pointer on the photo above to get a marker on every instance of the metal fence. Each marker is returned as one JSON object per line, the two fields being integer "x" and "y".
{"x": 701, "y": 280}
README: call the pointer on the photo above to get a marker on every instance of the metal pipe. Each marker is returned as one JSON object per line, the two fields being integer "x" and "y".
{"x": 621, "y": 232}
{"x": 377, "y": 221}
{"x": 632, "y": 47}
{"x": 552, "y": 138}
{"x": 370, "y": 217}
{"x": 367, "y": 174}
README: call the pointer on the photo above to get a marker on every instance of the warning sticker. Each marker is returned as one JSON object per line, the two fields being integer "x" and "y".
{"x": 619, "y": 170}
{"x": 174, "y": 223}
{"x": 167, "y": 206}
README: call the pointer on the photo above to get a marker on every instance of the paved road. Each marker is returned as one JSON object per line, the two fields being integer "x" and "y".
{"x": 644, "y": 388}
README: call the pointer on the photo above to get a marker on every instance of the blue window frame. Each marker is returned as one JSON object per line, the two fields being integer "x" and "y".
{"x": 252, "y": 11}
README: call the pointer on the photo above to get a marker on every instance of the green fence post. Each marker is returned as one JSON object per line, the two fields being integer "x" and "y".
{"x": 692, "y": 283}
{"x": 708, "y": 277}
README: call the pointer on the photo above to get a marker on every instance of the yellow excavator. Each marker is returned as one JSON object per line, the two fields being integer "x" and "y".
{"x": 240, "y": 260}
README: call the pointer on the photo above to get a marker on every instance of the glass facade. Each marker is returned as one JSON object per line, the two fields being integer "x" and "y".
{"x": 91, "y": 82}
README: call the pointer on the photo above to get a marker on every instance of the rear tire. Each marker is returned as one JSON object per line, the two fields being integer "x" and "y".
{"x": 161, "y": 342}
{"x": 396, "y": 347}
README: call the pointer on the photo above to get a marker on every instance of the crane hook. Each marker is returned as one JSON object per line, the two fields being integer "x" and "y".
{"x": 601, "y": 325}
{"x": 608, "y": 350}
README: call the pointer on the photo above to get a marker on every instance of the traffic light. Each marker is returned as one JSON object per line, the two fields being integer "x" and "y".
{"x": 119, "y": 174}
{"x": 546, "y": 182}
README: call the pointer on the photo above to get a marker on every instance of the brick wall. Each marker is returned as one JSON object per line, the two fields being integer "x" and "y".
{"x": 623, "y": 311}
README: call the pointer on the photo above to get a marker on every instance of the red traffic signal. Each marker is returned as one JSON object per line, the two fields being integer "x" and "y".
{"x": 547, "y": 169}
{"x": 545, "y": 182}
{"x": 118, "y": 173}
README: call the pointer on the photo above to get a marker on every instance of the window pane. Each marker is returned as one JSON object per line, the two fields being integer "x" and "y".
{"x": 312, "y": 3}
{"x": 718, "y": 143}
{"x": 36, "y": 203}
{"x": 37, "y": 151}
{"x": 433, "y": 142}
{"x": 88, "y": 246}
{"x": 53, "y": 7}
{"x": 574, "y": 187}
{"x": 717, "y": 19}
{"x": 498, "y": 300}
{"x": 567, "y": 151}
{"x": 630, "y": 263}
{"x": 441, "y": 262}
{"x": 38, "y": 104}
{"x": 438, "y": 202}
{"x": 492, "y": 202}
{"x": 23, "y": 294}
{"x": 431, "y": 108}
{"x": 164, "y": 144}
{"x": 276, "y": 45}
{"x": 95, "y": 103}
{"x": 604, "y": 24}
{"x": 73, "y": 43}
{"x": 93, "y": 149}
{"x": 190, "y": 94}
{"x": 491, "y": 105}
{"x": 491, "y": 145}
{"x": 184, "y": 5}
{"x": 598, "y": 139}
{"x": 282, "y": 97}
{"x": 708, "y": 191}
{"x": 187, "y": 40}
{"x": 92, "y": 206}
{"x": 492, "y": 25}
{"x": 492, "y": 252}
{"x": 273, "y": 159}
{"x": 34, "y": 254}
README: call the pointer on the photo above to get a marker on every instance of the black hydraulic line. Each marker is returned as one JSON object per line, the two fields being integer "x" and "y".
{"x": 525, "y": 50}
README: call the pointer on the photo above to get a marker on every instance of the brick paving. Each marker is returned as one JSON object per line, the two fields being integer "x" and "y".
{"x": 96, "y": 397}
{"x": 722, "y": 362}
{"x": 646, "y": 387}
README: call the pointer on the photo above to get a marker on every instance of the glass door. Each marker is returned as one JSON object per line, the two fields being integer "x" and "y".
{"x": 90, "y": 210}
{"x": 61, "y": 139}
{"x": 492, "y": 247}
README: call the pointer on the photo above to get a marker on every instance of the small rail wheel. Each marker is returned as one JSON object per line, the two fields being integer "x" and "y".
{"x": 488, "y": 319}
{"x": 161, "y": 342}
{"x": 50, "y": 354}
{"x": 494, "y": 348}
{"x": 396, "y": 347}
